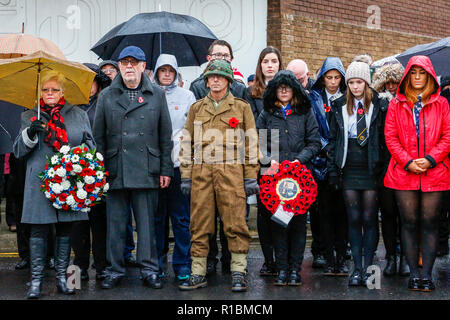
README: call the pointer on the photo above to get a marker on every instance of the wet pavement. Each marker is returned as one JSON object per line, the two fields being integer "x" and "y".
{"x": 315, "y": 285}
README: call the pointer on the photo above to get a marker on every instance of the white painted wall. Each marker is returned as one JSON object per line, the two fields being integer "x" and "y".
{"x": 240, "y": 22}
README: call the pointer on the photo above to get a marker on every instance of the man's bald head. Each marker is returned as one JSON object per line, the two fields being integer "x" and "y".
{"x": 300, "y": 69}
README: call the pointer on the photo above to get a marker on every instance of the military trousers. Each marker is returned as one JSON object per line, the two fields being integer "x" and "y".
{"x": 221, "y": 185}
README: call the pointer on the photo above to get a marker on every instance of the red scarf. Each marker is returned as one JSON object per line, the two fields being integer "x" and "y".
{"x": 56, "y": 130}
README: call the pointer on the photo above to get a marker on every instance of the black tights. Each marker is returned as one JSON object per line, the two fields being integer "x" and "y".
{"x": 419, "y": 212}
{"x": 361, "y": 208}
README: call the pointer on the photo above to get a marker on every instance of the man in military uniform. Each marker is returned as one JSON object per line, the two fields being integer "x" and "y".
{"x": 219, "y": 164}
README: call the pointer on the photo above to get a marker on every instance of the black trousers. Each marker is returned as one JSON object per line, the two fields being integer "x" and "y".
{"x": 264, "y": 225}
{"x": 390, "y": 220}
{"x": 23, "y": 229}
{"x": 330, "y": 210}
{"x": 213, "y": 248}
{"x": 444, "y": 220}
{"x": 289, "y": 243}
{"x": 144, "y": 203}
{"x": 81, "y": 239}
{"x": 11, "y": 208}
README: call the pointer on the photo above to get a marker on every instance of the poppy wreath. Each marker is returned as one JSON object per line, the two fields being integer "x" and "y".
{"x": 74, "y": 179}
{"x": 292, "y": 171}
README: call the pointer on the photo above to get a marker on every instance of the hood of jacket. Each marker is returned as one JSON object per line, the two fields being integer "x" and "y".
{"x": 167, "y": 59}
{"x": 425, "y": 63}
{"x": 287, "y": 78}
{"x": 330, "y": 63}
{"x": 387, "y": 73}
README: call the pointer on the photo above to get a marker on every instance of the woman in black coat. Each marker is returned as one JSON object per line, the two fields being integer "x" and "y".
{"x": 287, "y": 109}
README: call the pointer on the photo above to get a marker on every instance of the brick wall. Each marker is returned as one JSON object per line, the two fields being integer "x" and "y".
{"x": 313, "y": 30}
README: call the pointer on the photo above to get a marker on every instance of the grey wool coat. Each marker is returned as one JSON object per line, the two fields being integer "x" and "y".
{"x": 37, "y": 209}
{"x": 134, "y": 136}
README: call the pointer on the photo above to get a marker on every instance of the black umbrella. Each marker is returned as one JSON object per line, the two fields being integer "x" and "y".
{"x": 438, "y": 52}
{"x": 9, "y": 125}
{"x": 183, "y": 36}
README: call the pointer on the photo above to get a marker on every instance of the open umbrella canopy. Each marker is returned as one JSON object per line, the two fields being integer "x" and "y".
{"x": 185, "y": 37}
{"x": 19, "y": 78}
{"x": 15, "y": 45}
{"x": 9, "y": 125}
{"x": 438, "y": 52}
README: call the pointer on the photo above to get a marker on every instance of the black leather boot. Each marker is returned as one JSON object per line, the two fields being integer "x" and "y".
{"x": 38, "y": 248}
{"x": 391, "y": 266}
{"x": 403, "y": 270}
{"x": 62, "y": 259}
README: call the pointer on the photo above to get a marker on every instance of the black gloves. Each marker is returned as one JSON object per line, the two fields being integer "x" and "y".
{"x": 35, "y": 127}
{"x": 251, "y": 187}
{"x": 333, "y": 182}
{"x": 186, "y": 186}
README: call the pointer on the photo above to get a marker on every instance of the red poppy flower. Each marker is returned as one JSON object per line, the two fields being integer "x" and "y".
{"x": 33, "y": 119}
{"x": 360, "y": 111}
{"x": 92, "y": 198}
{"x": 89, "y": 187}
{"x": 69, "y": 166}
{"x": 65, "y": 207}
{"x": 233, "y": 122}
{"x": 77, "y": 150}
{"x": 63, "y": 197}
{"x": 57, "y": 179}
{"x": 327, "y": 108}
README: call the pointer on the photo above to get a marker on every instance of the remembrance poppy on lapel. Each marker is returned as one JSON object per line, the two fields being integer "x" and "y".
{"x": 140, "y": 99}
{"x": 33, "y": 118}
{"x": 360, "y": 111}
{"x": 233, "y": 122}
{"x": 327, "y": 108}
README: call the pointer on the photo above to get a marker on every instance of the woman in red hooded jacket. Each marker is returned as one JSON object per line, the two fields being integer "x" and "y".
{"x": 417, "y": 132}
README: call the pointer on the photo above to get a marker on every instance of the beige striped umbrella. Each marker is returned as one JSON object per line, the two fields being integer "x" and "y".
{"x": 16, "y": 45}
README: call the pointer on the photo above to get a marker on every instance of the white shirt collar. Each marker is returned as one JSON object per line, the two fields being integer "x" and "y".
{"x": 329, "y": 95}
{"x": 355, "y": 107}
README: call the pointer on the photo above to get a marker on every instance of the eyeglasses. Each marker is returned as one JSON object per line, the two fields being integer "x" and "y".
{"x": 111, "y": 70}
{"x": 52, "y": 90}
{"x": 133, "y": 62}
{"x": 225, "y": 56}
{"x": 281, "y": 89}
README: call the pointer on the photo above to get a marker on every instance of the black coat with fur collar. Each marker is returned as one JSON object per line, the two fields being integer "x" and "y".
{"x": 299, "y": 137}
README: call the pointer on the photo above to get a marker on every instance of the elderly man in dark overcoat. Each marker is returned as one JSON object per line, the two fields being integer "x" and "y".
{"x": 132, "y": 128}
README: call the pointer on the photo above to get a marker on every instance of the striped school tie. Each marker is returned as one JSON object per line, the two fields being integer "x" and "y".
{"x": 361, "y": 129}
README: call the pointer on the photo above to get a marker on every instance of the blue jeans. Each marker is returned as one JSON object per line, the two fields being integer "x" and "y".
{"x": 174, "y": 204}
